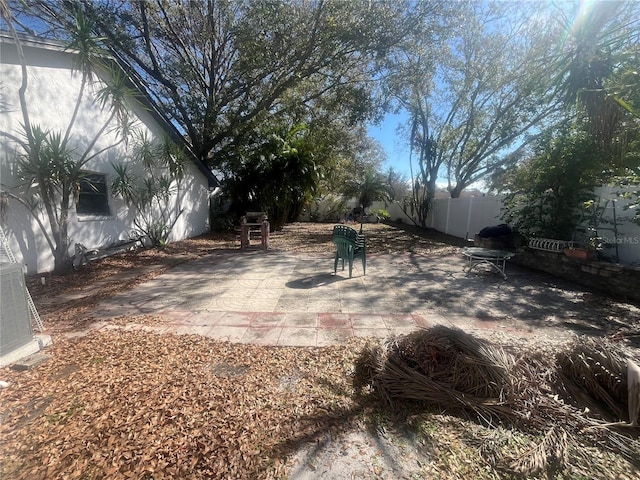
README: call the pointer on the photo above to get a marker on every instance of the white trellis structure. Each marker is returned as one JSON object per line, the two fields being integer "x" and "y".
{"x": 548, "y": 244}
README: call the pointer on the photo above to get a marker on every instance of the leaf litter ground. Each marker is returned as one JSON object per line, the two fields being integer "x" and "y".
{"x": 132, "y": 404}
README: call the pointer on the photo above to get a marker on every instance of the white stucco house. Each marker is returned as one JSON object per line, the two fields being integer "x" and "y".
{"x": 99, "y": 217}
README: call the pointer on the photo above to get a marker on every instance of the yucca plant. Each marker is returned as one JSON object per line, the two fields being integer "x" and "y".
{"x": 50, "y": 166}
{"x": 150, "y": 190}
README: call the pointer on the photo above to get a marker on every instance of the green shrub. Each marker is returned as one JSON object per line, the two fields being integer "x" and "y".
{"x": 381, "y": 213}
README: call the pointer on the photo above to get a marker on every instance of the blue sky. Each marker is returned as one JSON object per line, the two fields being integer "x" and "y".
{"x": 393, "y": 144}
{"x": 396, "y": 148}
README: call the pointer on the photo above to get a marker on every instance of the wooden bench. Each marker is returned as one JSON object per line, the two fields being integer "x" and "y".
{"x": 256, "y": 223}
{"x": 84, "y": 255}
{"x": 349, "y": 246}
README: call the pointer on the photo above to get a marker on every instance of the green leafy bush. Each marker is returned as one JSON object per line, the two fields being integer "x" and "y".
{"x": 545, "y": 193}
{"x": 381, "y": 213}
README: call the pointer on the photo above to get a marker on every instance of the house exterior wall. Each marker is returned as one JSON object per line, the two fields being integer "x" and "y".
{"x": 52, "y": 91}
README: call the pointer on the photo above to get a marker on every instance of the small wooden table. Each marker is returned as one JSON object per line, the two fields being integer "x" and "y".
{"x": 259, "y": 223}
{"x": 496, "y": 259}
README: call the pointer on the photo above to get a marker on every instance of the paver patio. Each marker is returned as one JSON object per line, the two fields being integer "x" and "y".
{"x": 277, "y": 298}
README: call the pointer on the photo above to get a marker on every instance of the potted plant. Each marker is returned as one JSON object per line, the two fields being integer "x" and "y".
{"x": 580, "y": 253}
{"x": 588, "y": 252}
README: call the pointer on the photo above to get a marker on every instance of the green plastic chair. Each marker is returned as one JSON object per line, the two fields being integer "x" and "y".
{"x": 350, "y": 245}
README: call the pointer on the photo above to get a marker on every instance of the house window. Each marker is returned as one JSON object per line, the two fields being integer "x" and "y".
{"x": 93, "y": 198}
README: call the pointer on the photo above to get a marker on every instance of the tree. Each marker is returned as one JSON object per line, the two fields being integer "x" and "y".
{"x": 359, "y": 171}
{"x": 473, "y": 90}
{"x": 51, "y": 163}
{"x": 429, "y": 161}
{"x": 407, "y": 83}
{"x": 221, "y": 68}
{"x": 545, "y": 192}
{"x": 497, "y": 89}
{"x": 397, "y": 184}
{"x": 482, "y": 97}
{"x": 345, "y": 152}
{"x": 278, "y": 176}
{"x": 367, "y": 186}
{"x": 597, "y": 70}
{"x": 318, "y": 139}
{"x": 597, "y": 65}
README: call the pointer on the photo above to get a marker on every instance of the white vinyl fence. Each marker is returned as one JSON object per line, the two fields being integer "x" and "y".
{"x": 616, "y": 228}
{"x": 460, "y": 217}
{"x": 464, "y": 217}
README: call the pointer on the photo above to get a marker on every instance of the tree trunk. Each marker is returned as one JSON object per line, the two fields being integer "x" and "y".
{"x": 62, "y": 262}
{"x": 456, "y": 191}
{"x": 427, "y": 202}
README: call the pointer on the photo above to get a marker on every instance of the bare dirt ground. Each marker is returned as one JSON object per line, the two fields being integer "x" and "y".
{"x": 133, "y": 404}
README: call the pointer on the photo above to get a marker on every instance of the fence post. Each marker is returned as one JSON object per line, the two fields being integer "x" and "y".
{"x": 446, "y": 225}
{"x": 469, "y": 217}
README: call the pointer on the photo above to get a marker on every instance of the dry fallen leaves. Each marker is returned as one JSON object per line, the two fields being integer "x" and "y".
{"x": 119, "y": 404}
{"x": 133, "y": 404}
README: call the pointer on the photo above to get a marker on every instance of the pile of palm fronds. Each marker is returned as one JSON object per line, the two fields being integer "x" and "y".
{"x": 441, "y": 366}
{"x": 592, "y": 373}
{"x": 566, "y": 397}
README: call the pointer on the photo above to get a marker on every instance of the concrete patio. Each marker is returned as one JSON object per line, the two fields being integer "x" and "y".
{"x": 283, "y": 299}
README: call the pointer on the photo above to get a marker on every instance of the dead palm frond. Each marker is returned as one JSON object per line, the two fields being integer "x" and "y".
{"x": 550, "y": 455}
{"x": 592, "y": 373}
{"x": 441, "y": 366}
{"x": 567, "y": 396}
{"x": 633, "y": 387}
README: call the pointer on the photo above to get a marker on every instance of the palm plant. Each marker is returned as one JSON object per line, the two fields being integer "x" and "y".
{"x": 598, "y": 67}
{"x": 149, "y": 193}
{"x": 599, "y": 74}
{"x": 279, "y": 175}
{"x": 368, "y": 187}
{"x": 50, "y": 167}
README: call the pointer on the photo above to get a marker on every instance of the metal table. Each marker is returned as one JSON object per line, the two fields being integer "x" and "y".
{"x": 496, "y": 259}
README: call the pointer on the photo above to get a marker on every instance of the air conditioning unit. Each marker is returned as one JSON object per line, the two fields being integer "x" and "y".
{"x": 15, "y": 323}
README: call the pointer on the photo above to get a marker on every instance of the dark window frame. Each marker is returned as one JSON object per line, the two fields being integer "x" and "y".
{"x": 93, "y": 197}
